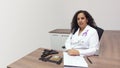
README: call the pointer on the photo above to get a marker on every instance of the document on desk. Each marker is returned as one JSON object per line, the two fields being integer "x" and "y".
{"x": 78, "y": 61}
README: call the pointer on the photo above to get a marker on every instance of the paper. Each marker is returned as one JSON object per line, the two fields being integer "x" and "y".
{"x": 74, "y": 61}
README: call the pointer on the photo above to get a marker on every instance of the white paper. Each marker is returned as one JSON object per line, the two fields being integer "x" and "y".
{"x": 74, "y": 61}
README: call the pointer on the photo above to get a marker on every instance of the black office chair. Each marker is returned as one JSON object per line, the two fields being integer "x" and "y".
{"x": 99, "y": 31}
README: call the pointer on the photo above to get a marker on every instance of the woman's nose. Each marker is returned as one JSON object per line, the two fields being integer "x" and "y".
{"x": 80, "y": 20}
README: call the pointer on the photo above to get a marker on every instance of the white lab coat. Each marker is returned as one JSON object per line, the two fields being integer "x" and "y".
{"x": 87, "y": 43}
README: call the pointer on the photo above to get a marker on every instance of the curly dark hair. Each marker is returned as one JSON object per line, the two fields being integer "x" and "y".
{"x": 74, "y": 25}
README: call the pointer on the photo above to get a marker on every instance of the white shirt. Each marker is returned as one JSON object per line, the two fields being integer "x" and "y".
{"x": 87, "y": 43}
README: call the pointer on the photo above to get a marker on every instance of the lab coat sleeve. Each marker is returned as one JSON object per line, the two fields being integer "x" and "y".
{"x": 93, "y": 45}
{"x": 67, "y": 43}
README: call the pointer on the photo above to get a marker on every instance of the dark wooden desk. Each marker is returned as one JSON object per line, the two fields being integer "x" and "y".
{"x": 109, "y": 56}
{"x": 100, "y": 62}
{"x": 31, "y": 61}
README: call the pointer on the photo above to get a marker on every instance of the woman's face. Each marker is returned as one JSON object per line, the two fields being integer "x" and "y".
{"x": 81, "y": 20}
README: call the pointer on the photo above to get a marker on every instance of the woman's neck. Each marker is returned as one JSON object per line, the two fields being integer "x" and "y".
{"x": 80, "y": 30}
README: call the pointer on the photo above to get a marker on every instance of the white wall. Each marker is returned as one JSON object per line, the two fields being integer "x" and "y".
{"x": 105, "y": 12}
{"x": 24, "y": 27}
{"x": 24, "y": 24}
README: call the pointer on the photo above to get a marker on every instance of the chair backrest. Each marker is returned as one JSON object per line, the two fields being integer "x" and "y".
{"x": 100, "y": 32}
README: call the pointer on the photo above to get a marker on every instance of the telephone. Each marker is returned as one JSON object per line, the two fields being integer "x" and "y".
{"x": 47, "y": 55}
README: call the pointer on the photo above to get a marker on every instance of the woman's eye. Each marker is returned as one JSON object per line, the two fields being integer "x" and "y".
{"x": 78, "y": 18}
{"x": 82, "y": 18}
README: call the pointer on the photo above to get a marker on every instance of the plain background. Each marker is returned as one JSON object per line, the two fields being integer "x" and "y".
{"x": 24, "y": 24}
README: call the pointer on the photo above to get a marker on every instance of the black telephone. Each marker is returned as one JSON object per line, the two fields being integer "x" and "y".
{"x": 47, "y": 56}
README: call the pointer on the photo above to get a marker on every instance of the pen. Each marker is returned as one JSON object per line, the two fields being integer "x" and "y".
{"x": 89, "y": 60}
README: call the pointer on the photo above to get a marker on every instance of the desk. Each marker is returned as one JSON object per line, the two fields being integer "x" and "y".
{"x": 100, "y": 62}
{"x": 31, "y": 61}
{"x": 110, "y": 44}
{"x": 109, "y": 56}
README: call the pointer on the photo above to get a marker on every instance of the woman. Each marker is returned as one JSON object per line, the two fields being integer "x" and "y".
{"x": 83, "y": 39}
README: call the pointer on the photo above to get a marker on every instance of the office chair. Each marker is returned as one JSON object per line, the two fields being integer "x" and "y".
{"x": 99, "y": 31}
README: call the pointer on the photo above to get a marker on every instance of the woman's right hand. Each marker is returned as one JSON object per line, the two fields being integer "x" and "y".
{"x": 73, "y": 52}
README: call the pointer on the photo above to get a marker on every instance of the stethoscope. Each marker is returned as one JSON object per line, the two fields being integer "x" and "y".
{"x": 80, "y": 42}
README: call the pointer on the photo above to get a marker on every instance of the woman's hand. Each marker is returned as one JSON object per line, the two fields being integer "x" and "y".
{"x": 73, "y": 52}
